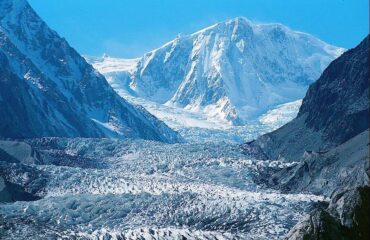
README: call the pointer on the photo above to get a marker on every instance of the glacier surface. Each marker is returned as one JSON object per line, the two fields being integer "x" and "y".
{"x": 136, "y": 189}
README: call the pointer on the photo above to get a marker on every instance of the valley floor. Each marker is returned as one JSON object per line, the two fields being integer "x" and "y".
{"x": 95, "y": 188}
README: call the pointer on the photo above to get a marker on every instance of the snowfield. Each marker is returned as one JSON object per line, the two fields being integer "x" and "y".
{"x": 117, "y": 189}
{"x": 194, "y": 125}
{"x": 230, "y": 73}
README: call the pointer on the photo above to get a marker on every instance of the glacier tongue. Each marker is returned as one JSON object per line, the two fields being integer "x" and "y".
{"x": 232, "y": 72}
{"x": 101, "y": 188}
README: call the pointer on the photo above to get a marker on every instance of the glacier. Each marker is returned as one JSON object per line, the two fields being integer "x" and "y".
{"x": 221, "y": 86}
{"x": 137, "y": 189}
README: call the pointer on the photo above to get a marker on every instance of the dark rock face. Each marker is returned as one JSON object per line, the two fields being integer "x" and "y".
{"x": 334, "y": 110}
{"x": 323, "y": 173}
{"x": 319, "y": 225}
{"x": 48, "y": 89}
{"x": 330, "y": 139}
{"x": 11, "y": 192}
{"x": 346, "y": 217}
{"x": 338, "y": 103}
{"x": 24, "y": 117}
{"x": 19, "y": 181}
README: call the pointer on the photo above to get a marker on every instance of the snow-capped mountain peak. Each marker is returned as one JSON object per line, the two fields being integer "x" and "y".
{"x": 232, "y": 71}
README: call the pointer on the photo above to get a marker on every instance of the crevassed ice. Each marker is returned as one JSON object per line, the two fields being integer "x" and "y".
{"x": 149, "y": 190}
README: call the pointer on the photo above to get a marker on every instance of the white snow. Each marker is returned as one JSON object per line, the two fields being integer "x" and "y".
{"x": 199, "y": 125}
{"x": 149, "y": 189}
{"x": 108, "y": 64}
{"x": 227, "y": 76}
{"x": 282, "y": 114}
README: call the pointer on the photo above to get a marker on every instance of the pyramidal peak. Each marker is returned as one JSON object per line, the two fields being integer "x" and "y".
{"x": 232, "y": 71}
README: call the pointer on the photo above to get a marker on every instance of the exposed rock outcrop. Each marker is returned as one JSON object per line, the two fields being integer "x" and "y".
{"x": 334, "y": 110}
{"x": 346, "y": 217}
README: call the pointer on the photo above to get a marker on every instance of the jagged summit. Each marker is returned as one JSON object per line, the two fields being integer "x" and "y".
{"x": 231, "y": 72}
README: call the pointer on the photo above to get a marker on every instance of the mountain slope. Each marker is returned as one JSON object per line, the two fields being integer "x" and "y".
{"x": 330, "y": 138}
{"x": 335, "y": 109}
{"x": 48, "y": 89}
{"x": 345, "y": 218}
{"x": 232, "y": 71}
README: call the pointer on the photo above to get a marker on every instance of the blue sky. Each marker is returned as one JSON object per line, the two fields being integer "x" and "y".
{"x": 129, "y": 28}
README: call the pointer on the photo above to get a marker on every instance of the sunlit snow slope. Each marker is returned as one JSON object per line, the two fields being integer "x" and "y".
{"x": 230, "y": 73}
{"x": 194, "y": 126}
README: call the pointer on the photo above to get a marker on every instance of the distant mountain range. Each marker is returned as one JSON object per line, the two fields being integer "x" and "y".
{"x": 48, "y": 89}
{"x": 232, "y": 72}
